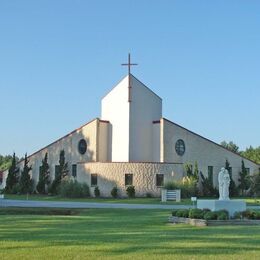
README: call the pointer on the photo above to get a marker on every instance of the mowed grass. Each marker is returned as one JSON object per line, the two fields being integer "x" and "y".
{"x": 249, "y": 201}
{"x": 101, "y": 200}
{"x": 121, "y": 234}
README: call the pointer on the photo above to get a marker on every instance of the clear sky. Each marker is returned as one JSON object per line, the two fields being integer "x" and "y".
{"x": 58, "y": 58}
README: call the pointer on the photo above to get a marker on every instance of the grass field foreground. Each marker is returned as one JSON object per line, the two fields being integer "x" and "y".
{"x": 249, "y": 201}
{"x": 121, "y": 234}
{"x": 101, "y": 200}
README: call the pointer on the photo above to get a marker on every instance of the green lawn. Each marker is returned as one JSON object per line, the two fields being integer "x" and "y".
{"x": 121, "y": 234}
{"x": 250, "y": 201}
{"x": 103, "y": 200}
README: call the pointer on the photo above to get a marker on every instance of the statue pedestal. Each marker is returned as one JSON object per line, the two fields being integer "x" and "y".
{"x": 231, "y": 206}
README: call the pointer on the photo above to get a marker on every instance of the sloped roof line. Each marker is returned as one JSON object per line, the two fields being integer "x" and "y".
{"x": 114, "y": 86}
{"x": 145, "y": 86}
{"x": 210, "y": 141}
{"x": 70, "y": 133}
{"x": 136, "y": 80}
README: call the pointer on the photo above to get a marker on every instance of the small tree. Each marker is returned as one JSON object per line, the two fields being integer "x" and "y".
{"x": 130, "y": 190}
{"x": 114, "y": 192}
{"x": 196, "y": 172}
{"x": 232, "y": 186}
{"x": 12, "y": 177}
{"x": 25, "y": 183}
{"x": 44, "y": 175}
{"x": 255, "y": 184}
{"x": 244, "y": 179}
{"x": 188, "y": 169}
{"x": 97, "y": 192}
{"x": 61, "y": 174}
{"x": 207, "y": 186}
{"x": 63, "y": 166}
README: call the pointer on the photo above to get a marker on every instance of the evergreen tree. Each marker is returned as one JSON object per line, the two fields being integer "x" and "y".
{"x": 26, "y": 184}
{"x": 244, "y": 179}
{"x": 61, "y": 174}
{"x": 196, "y": 172}
{"x": 193, "y": 174}
{"x": 255, "y": 184}
{"x": 188, "y": 170}
{"x": 63, "y": 167}
{"x": 207, "y": 186}
{"x": 232, "y": 186}
{"x": 12, "y": 178}
{"x": 44, "y": 176}
{"x": 6, "y": 162}
{"x": 252, "y": 154}
{"x": 230, "y": 146}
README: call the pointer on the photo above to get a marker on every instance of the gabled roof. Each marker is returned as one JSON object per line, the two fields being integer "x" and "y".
{"x": 146, "y": 86}
{"x": 70, "y": 133}
{"x": 131, "y": 75}
{"x": 208, "y": 140}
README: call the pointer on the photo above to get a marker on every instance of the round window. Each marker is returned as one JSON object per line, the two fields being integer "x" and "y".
{"x": 180, "y": 147}
{"x": 82, "y": 146}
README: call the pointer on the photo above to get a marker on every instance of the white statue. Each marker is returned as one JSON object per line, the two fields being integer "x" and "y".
{"x": 223, "y": 184}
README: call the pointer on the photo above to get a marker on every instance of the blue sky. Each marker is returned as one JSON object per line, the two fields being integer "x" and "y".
{"x": 58, "y": 58}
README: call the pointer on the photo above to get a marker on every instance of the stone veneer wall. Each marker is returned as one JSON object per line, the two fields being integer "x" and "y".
{"x": 113, "y": 174}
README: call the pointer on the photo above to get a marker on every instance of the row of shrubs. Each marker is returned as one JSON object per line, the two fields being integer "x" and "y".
{"x": 74, "y": 189}
{"x": 206, "y": 214}
{"x": 18, "y": 189}
{"x": 247, "y": 214}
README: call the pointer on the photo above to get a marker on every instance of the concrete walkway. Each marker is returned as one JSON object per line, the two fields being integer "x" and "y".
{"x": 86, "y": 205}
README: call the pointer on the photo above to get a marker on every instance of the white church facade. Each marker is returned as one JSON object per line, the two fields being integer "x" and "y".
{"x": 132, "y": 144}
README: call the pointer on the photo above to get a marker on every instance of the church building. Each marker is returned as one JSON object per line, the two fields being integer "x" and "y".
{"x": 133, "y": 144}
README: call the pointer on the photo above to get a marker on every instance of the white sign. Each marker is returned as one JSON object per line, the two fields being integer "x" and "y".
{"x": 193, "y": 198}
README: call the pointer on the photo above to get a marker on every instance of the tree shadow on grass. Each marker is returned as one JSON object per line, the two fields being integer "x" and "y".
{"x": 126, "y": 232}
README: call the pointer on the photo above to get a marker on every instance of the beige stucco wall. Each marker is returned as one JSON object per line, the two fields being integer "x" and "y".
{"x": 145, "y": 107}
{"x": 205, "y": 152}
{"x": 104, "y": 141}
{"x": 156, "y": 142}
{"x": 69, "y": 144}
{"x": 113, "y": 174}
{"x": 115, "y": 108}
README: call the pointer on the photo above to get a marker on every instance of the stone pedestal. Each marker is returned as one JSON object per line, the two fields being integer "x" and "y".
{"x": 231, "y": 206}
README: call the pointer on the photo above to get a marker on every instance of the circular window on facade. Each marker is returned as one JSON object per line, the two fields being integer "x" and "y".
{"x": 82, "y": 146}
{"x": 180, "y": 147}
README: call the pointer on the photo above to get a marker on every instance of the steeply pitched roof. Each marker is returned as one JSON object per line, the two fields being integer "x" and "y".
{"x": 131, "y": 75}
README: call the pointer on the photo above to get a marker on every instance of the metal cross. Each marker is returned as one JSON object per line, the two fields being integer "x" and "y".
{"x": 129, "y": 64}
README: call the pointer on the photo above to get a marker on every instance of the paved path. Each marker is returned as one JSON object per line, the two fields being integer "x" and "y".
{"x": 84, "y": 205}
{"x": 97, "y": 205}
